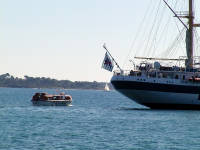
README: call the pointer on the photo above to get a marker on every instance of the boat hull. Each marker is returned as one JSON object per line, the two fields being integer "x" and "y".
{"x": 164, "y": 97}
{"x": 51, "y": 103}
{"x": 163, "y": 100}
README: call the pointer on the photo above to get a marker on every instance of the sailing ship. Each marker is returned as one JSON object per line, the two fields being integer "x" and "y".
{"x": 159, "y": 86}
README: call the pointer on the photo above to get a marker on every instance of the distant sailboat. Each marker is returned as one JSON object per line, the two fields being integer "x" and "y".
{"x": 107, "y": 87}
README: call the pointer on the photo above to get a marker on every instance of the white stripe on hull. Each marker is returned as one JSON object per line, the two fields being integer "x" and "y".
{"x": 155, "y": 97}
{"x": 51, "y": 103}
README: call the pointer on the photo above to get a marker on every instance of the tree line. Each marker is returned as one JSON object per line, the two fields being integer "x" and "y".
{"x": 7, "y": 80}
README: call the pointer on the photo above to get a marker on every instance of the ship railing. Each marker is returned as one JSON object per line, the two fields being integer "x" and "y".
{"x": 156, "y": 74}
{"x": 126, "y": 72}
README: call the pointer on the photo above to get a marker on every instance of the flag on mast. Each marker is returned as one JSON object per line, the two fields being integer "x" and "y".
{"x": 107, "y": 63}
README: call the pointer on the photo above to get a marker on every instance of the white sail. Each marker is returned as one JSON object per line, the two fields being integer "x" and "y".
{"x": 107, "y": 87}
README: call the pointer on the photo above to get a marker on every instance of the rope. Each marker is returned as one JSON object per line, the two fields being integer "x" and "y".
{"x": 153, "y": 25}
{"x": 138, "y": 31}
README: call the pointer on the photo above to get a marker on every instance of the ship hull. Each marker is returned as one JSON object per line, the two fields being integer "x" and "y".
{"x": 163, "y": 100}
{"x": 159, "y": 96}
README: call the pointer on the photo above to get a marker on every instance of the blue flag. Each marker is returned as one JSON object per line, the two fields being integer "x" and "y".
{"x": 107, "y": 63}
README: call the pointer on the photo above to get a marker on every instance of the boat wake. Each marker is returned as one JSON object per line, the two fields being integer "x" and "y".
{"x": 126, "y": 108}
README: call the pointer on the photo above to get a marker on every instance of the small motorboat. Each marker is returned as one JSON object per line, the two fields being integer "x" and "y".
{"x": 45, "y": 99}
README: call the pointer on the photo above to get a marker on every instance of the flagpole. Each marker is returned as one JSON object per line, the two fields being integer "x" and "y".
{"x": 104, "y": 46}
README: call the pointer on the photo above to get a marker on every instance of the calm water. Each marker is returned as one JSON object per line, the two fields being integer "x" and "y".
{"x": 97, "y": 120}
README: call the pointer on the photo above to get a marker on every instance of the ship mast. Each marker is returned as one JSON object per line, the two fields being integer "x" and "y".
{"x": 190, "y": 36}
{"x": 189, "y": 32}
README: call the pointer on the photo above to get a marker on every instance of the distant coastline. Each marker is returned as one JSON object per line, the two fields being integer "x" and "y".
{"x": 7, "y": 80}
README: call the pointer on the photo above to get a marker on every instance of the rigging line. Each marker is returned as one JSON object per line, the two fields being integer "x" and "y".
{"x": 173, "y": 46}
{"x": 163, "y": 39}
{"x": 164, "y": 28}
{"x": 197, "y": 41}
{"x": 141, "y": 44}
{"x": 179, "y": 32}
{"x": 182, "y": 46}
{"x": 155, "y": 37}
{"x": 195, "y": 8}
{"x": 166, "y": 51}
{"x": 137, "y": 34}
{"x": 198, "y": 37}
{"x": 195, "y": 47}
{"x": 166, "y": 33}
{"x": 150, "y": 33}
{"x": 157, "y": 31}
{"x": 176, "y": 44}
{"x": 151, "y": 36}
{"x": 194, "y": 42}
{"x": 175, "y": 20}
{"x": 174, "y": 51}
{"x": 175, "y": 14}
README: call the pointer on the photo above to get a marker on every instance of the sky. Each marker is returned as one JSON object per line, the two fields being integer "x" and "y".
{"x": 63, "y": 39}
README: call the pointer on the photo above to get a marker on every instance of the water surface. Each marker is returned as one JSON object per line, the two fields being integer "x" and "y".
{"x": 96, "y": 120}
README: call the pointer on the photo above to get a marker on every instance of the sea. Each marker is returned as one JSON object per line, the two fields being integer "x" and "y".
{"x": 96, "y": 120}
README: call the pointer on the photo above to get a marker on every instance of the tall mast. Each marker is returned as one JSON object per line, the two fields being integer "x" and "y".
{"x": 189, "y": 32}
{"x": 190, "y": 36}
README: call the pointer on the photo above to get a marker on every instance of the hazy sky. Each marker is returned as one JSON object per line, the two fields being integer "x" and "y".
{"x": 63, "y": 39}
